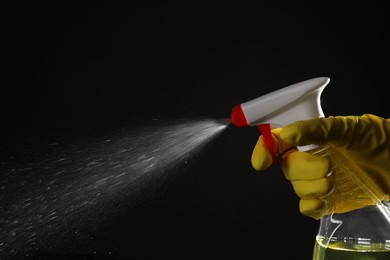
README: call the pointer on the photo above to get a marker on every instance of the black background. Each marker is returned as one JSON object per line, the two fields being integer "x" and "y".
{"x": 92, "y": 66}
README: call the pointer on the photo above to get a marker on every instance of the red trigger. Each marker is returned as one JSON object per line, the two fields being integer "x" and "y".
{"x": 265, "y": 130}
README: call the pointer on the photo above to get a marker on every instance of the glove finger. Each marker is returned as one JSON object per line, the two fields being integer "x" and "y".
{"x": 305, "y": 166}
{"x": 261, "y": 157}
{"x": 336, "y": 130}
{"x": 313, "y": 208}
{"x": 312, "y": 189}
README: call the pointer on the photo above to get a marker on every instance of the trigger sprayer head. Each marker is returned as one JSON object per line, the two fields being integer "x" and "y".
{"x": 281, "y": 107}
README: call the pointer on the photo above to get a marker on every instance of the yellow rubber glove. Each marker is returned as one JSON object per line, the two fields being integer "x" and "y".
{"x": 364, "y": 140}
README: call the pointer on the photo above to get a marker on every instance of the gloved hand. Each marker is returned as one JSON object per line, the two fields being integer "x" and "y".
{"x": 364, "y": 140}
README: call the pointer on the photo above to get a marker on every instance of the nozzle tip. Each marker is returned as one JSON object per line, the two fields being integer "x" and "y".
{"x": 237, "y": 117}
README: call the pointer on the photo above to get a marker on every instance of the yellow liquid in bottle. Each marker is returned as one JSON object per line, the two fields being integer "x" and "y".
{"x": 350, "y": 251}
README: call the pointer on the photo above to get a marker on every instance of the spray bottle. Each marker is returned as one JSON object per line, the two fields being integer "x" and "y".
{"x": 358, "y": 234}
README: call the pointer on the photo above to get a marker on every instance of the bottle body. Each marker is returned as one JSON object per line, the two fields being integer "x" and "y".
{"x": 358, "y": 234}
{"x": 356, "y": 224}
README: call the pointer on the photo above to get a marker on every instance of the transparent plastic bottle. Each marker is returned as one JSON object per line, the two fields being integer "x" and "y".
{"x": 362, "y": 233}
